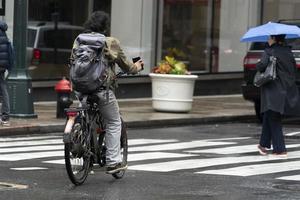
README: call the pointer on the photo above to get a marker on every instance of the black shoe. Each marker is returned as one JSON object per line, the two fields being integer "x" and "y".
{"x": 116, "y": 168}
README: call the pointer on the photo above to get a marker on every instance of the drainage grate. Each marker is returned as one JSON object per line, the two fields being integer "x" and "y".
{"x": 11, "y": 186}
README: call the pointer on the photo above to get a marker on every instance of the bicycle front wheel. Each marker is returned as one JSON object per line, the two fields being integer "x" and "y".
{"x": 124, "y": 150}
{"x": 77, "y": 158}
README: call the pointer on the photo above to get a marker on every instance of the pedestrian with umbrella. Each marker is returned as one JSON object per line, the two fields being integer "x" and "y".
{"x": 280, "y": 96}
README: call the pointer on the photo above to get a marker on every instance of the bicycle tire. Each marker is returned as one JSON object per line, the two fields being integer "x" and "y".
{"x": 124, "y": 150}
{"x": 77, "y": 160}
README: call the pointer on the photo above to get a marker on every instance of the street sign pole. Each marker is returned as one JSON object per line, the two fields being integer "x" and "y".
{"x": 19, "y": 81}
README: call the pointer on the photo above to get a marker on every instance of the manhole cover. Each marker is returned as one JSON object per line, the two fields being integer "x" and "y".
{"x": 9, "y": 186}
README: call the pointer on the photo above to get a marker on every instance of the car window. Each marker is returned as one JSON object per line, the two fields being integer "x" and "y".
{"x": 62, "y": 38}
{"x": 31, "y": 37}
{"x": 294, "y": 43}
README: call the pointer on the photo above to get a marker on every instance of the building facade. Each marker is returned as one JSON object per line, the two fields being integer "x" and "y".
{"x": 203, "y": 33}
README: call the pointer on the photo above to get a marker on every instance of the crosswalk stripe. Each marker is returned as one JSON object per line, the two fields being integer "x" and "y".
{"x": 57, "y": 161}
{"x": 142, "y": 149}
{"x": 31, "y": 143}
{"x": 235, "y": 149}
{"x": 179, "y": 145}
{"x": 155, "y": 155}
{"x": 292, "y": 133}
{"x": 42, "y": 147}
{"x": 226, "y": 139}
{"x": 251, "y": 170}
{"x": 290, "y": 178}
{"x": 138, "y": 157}
{"x": 31, "y": 148}
{"x": 132, "y": 142}
{"x": 201, "y": 163}
{"x": 8, "y": 139}
{"x": 27, "y": 168}
{"x": 30, "y": 155}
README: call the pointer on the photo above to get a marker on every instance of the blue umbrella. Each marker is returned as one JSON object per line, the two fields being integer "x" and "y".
{"x": 262, "y": 33}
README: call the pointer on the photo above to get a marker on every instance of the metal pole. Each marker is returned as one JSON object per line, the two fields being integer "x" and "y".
{"x": 19, "y": 82}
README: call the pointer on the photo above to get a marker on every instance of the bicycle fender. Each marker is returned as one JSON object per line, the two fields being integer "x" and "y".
{"x": 69, "y": 125}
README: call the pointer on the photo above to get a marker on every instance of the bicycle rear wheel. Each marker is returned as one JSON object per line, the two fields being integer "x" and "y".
{"x": 77, "y": 157}
{"x": 124, "y": 151}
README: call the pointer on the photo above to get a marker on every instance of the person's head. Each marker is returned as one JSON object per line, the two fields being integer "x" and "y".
{"x": 98, "y": 22}
{"x": 279, "y": 39}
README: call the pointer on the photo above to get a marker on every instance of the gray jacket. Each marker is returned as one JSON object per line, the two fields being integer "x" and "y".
{"x": 280, "y": 95}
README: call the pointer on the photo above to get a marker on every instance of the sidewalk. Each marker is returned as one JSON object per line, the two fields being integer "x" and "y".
{"x": 139, "y": 113}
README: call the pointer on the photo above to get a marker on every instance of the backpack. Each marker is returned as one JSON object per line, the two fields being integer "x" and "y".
{"x": 88, "y": 66}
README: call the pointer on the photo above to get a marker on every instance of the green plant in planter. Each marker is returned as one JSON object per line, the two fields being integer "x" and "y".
{"x": 171, "y": 66}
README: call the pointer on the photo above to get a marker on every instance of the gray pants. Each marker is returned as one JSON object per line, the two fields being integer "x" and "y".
{"x": 5, "y": 109}
{"x": 111, "y": 115}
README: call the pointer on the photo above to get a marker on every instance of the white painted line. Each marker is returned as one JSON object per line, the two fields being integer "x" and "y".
{"x": 290, "y": 178}
{"x": 226, "y": 139}
{"x": 59, "y": 161}
{"x": 201, "y": 163}
{"x": 31, "y": 148}
{"x": 292, "y": 133}
{"x": 259, "y": 169}
{"x": 155, "y": 155}
{"x": 28, "y": 168}
{"x": 179, "y": 145}
{"x": 8, "y": 139}
{"x": 138, "y": 157}
{"x": 31, "y": 143}
{"x": 148, "y": 141}
{"x": 60, "y": 141}
{"x": 30, "y": 155}
{"x": 235, "y": 149}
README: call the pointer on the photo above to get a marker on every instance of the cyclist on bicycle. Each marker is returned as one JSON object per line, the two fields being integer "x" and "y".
{"x": 109, "y": 108}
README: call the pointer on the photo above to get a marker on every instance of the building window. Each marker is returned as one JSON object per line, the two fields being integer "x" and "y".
{"x": 274, "y": 10}
{"x": 191, "y": 32}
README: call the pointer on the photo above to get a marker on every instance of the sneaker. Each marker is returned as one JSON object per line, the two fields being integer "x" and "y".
{"x": 116, "y": 168}
{"x": 5, "y": 123}
{"x": 262, "y": 150}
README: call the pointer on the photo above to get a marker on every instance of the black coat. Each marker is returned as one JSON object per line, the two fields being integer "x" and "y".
{"x": 4, "y": 60}
{"x": 280, "y": 95}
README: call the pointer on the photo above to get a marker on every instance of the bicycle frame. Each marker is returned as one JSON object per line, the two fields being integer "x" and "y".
{"x": 84, "y": 140}
{"x": 92, "y": 121}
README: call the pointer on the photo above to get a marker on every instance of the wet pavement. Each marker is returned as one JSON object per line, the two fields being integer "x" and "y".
{"x": 139, "y": 113}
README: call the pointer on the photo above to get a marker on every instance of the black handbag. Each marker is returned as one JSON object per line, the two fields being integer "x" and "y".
{"x": 268, "y": 75}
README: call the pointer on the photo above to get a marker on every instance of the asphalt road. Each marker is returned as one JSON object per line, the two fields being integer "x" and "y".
{"x": 217, "y": 161}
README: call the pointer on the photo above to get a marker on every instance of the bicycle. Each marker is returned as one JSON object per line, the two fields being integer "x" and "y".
{"x": 84, "y": 140}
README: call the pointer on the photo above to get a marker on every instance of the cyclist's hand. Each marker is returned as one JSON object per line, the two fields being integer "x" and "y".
{"x": 139, "y": 65}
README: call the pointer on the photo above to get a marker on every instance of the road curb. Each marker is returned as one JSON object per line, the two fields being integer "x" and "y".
{"x": 43, "y": 129}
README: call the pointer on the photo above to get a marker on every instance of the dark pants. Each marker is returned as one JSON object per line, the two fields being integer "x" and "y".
{"x": 5, "y": 110}
{"x": 272, "y": 131}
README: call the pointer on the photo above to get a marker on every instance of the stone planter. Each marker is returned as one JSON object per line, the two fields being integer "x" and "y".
{"x": 172, "y": 93}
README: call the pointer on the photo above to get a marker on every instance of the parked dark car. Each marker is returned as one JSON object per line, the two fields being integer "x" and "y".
{"x": 252, "y": 93}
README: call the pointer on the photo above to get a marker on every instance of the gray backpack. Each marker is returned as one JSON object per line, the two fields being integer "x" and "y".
{"x": 88, "y": 66}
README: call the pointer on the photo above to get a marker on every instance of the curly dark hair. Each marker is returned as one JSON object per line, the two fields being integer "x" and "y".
{"x": 98, "y": 22}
